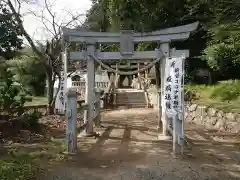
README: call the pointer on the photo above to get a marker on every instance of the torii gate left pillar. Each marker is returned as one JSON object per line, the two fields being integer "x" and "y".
{"x": 165, "y": 48}
{"x": 90, "y": 87}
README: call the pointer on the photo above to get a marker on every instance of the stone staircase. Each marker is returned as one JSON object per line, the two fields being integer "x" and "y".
{"x": 130, "y": 98}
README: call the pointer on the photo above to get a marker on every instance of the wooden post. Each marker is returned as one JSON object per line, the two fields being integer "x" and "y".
{"x": 158, "y": 85}
{"x": 90, "y": 85}
{"x": 116, "y": 83}
{"x": 178, "y": 117}
{"x": 165, "y": 50}
{"x": 115, "y": 98}
{"x": 97, "y": 108}
{"x": 139, "y": 77}
{"x": 177, "y": 135}
{"x": 71, "y": 130}
{"x": 146, "y": 72}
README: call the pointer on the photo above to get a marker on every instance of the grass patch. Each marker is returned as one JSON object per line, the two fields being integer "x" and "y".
{"x": 37, "y": 100}
{"x": 224, "y": 95}
{"x": 21, "y": 167}
{"x": 26, "y": 161}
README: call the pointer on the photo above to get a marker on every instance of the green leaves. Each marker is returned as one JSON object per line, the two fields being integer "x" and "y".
{"x": 227, "y": 92}
{"x": 29, "y": 72}
{"x": 18, "y": 168}
{"x": 12, "y": 95}
{"x": 10, "y": 39}
{"x": 220, "y": 47}
{"x": 223, "y": 58}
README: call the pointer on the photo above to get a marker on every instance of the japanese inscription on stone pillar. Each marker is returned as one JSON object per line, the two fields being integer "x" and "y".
{"x": 61, "y": 91}
{"x": 173, "y": 85}
{"x": 63, "y": 87}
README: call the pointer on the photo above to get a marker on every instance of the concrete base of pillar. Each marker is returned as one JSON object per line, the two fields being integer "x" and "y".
{"x": 177, "y": 156}
{"x": 162, "y": 137}
{"x": 97, "y": 121}
{"x": 85, "y": 134}
{"x": 69, "y": 153}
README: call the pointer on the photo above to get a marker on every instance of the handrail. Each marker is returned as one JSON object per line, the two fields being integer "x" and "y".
{"x": 145, "y": 93}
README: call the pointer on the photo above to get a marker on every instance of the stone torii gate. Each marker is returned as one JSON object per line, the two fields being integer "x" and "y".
{"x": 127, "y": 39}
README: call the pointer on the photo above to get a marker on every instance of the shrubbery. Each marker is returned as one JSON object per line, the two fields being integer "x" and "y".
{"x": 29, "y": 72}
{"x": 224, "y": 91}
{"x": 12, "y": 95}
{"x": 18, "y": 168}
{"x": 227, "y": 91}
{"x": 31, "y": 120}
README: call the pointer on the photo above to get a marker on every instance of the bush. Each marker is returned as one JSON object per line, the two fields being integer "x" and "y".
{"x": 223, "y": 58}
{"x": 29, "y": 72}
{"x": 227, "y": 91}
{"x": 32, "y": 120}
{"x": 12, "y": 95}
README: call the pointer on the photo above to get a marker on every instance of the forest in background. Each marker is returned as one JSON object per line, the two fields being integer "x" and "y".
{"x": 214, "y": 47}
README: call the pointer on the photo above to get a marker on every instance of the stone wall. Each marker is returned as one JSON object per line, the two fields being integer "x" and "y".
{"x": 212, "y": 118}
{"x": 209, "y": 117}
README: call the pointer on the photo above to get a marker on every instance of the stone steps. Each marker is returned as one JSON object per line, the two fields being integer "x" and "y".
{"x": 130, "y": 98}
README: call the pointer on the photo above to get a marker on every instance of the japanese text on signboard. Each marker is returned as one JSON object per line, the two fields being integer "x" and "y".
{"x": 173, "y": 84}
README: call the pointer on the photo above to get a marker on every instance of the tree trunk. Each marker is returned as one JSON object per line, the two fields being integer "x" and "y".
{"x": 50, "y": 91}
{"x": 157, "y": 71}
{"x": 57, "y": 91}
{"x": 158, "y": 86}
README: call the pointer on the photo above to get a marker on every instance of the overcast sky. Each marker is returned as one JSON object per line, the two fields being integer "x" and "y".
{"x": 61, "y": 8}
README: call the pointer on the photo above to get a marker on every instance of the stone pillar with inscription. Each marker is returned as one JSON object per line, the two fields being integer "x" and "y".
{"x": 61, "y": 101}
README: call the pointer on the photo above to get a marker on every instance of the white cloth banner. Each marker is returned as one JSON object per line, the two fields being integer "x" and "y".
{"x": 173, "y": 85}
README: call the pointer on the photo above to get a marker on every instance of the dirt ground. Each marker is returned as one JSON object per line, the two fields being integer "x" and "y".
{"x": 127, "y": 149}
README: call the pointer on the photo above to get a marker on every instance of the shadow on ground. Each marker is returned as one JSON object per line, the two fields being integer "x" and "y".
{"x": 127, "y": 149}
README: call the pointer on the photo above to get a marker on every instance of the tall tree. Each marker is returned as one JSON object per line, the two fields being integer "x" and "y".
{"x": 50, "y": 57}
{"x": 219, "y": 30}
{"x": 10, "y": 34}
{"x": 223, "y": 50}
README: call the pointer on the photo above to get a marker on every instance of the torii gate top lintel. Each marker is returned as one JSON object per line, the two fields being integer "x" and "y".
{"x": 164, "y": 35}
{"x": 127, "y": 39}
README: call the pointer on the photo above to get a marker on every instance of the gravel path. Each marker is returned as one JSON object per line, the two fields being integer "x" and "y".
{"x": 127, "y": 150}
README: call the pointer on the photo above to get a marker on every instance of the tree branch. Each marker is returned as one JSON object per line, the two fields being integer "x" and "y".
{"x": 20, "y": 24}
{"x": 53, "y": 17}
